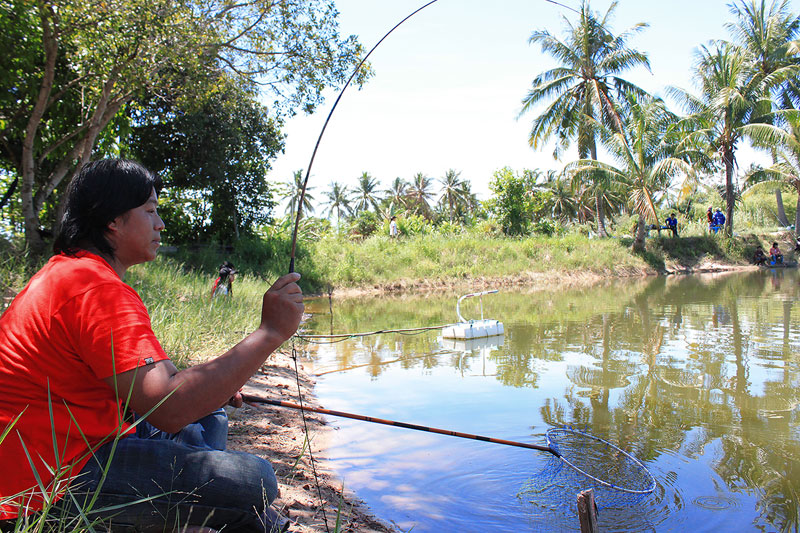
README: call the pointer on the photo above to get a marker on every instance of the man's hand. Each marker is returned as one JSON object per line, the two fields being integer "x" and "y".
{"x": 282, "y": 307}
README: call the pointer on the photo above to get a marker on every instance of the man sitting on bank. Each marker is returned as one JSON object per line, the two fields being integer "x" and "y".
{"x": 79, "y": 363}
{"x": 759, "y": 257}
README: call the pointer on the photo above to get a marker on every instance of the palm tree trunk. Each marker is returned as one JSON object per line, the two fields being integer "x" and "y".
{"x": 638, "y": 240}
{"x": 730, "y": 200}
{"x": 781, "y": 211}
{"x": 797, "y": 216}
{"x": 601, "y": 216}
{"x": 598, "y": 199}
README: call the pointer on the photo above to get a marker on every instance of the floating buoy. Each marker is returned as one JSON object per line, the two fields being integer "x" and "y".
{"x": 472, "y": 329}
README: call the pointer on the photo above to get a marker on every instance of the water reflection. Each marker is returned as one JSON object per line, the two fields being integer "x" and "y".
{"x": 697, "y": 376}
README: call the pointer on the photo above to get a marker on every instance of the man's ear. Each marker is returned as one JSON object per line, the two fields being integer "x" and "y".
{"x": 112, "y": 226}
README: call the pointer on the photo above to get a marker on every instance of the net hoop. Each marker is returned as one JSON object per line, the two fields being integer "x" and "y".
{"x": 552, "y": 442}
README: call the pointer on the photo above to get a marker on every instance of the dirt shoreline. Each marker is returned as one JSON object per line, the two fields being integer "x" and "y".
{"x": 532, "y": 280}
{"x": 278, "y": 434}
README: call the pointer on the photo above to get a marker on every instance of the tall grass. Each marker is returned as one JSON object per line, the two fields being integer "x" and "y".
{"x": 191, "y": 326}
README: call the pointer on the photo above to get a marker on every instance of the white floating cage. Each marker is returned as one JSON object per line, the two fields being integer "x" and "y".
{"x": 473, "y": 329}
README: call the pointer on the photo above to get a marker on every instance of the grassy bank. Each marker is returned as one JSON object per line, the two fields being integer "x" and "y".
{"x": 337, "y": 262}
{"x": 176, "y": 287}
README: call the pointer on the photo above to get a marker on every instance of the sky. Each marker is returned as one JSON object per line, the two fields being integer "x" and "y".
{"x": 449, "y": 83}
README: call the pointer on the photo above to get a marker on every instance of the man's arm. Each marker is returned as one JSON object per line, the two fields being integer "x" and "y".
{"x": 198, "y": 390}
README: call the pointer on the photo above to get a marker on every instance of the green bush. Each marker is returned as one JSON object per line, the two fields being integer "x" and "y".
{"x": 366, "y": 223}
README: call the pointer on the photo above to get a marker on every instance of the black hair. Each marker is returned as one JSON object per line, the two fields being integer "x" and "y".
{"x": 226, "y": 269}
{"x": 102, "y": 191}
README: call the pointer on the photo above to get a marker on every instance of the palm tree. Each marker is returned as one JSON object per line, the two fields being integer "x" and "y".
{"x": 468, "y": 204}
{"x": 563, "y": 206}
{"x": 646, "y": 162}
{"x": 451, "y": 191}
{"x": 731, "y": 98}
{"x": 365, "y": 195}
{"x": 338, "y": 200}
{"x": 419, "y": 193}
{"x": 295, "y": 190}
{"x": 584, "y": 89}
{"x": 397, "y": 195}
{"x": 786, "y": 146}
{"x": 767, "y": 35}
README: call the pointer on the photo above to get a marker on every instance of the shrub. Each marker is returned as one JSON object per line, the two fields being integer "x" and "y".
{"x": 366, "y": 223}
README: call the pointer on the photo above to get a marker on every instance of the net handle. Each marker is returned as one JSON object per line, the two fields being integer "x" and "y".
{"x": 249, "y": 398}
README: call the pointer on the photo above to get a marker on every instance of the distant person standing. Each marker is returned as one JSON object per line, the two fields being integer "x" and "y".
{"x": 393, "y": 227}
{"x": 223, "y": 285}
{"x": 718, "y": 221}
{"x": 710, "y": 217}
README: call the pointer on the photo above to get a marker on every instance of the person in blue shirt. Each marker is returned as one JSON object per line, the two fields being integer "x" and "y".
{"x": 672, "y": 224}
{"x": 718, "y": 221}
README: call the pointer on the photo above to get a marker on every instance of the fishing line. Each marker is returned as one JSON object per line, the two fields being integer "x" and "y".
{"x": 308, "y": 437}
{"x": 340, "y": 337}
{"x": 564, "y": 6}
{"x": 325, "y": 125}
{"x": 297, "y": 224}
{"x": 633, "y": 470}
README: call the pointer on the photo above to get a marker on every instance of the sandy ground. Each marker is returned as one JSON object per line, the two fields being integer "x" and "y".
{"x": 278, "y": 435}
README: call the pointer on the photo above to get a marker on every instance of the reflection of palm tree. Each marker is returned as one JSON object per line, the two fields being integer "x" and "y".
{"x": 583, "y": 88}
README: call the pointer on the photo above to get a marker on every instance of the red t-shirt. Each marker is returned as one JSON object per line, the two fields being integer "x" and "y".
{"x": 73, "y": 325}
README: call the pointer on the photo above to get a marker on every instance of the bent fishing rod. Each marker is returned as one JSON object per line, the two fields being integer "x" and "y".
{"x": 249, "y": 398}
{"x": 325, "y": 125}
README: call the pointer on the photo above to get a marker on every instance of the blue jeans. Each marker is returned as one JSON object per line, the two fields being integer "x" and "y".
{"x": 189, "y": 477}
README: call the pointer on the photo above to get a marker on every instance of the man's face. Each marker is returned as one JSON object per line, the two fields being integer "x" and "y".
{"x": 136, "y": 234}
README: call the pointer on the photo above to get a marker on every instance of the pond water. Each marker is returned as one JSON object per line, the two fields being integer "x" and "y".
{"x": 697, "y": 376}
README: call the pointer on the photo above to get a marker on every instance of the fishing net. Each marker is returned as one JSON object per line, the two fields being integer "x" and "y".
{"x": 601, "y": 462}
{"x": 583, "y": 461}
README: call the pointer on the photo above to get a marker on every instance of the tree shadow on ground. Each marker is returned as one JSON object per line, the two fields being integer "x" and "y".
{"x": 691, "y": 252}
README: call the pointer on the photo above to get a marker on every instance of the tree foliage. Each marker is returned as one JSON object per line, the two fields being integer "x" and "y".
{"x": 514, "y": 201}
{"x": 585, "y": 89}
{"x": 213, "y": 160}
{"x": 74, "y": 65}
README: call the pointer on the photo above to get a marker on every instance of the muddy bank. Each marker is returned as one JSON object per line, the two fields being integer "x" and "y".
{"x": 530, "y": 280}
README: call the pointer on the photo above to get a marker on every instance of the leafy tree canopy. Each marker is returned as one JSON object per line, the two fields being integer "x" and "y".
{"x": 213, "y": 161}
{"x": 72, "y": 67}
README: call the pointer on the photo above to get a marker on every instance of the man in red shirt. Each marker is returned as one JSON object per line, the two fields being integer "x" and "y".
{"x": 79, "y": 363}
